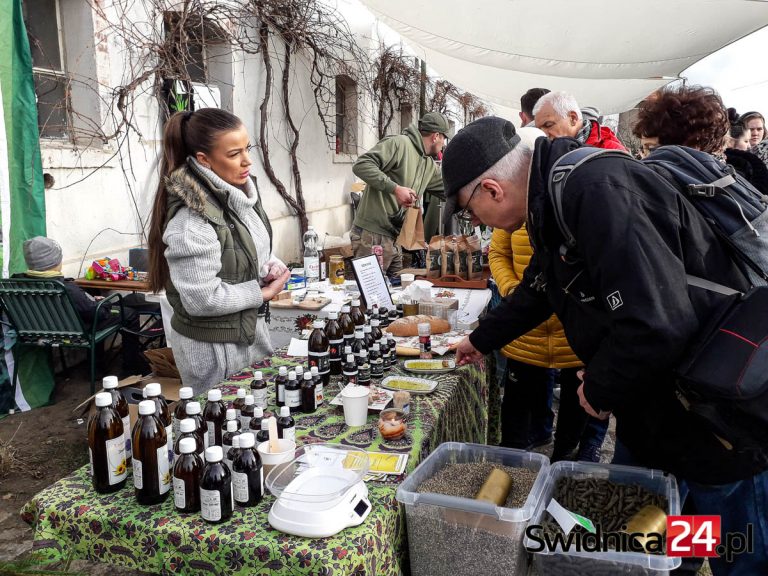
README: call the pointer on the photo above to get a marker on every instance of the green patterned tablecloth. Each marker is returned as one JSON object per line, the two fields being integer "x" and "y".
{"x": 71, "y": 520}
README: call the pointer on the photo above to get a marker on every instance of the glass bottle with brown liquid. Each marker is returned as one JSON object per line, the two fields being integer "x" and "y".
{"x": 188, "y": 429}
{"x": 349, "y": 370}
{"x": 215, "y": 415}
{"x": 286, "y": 425}
{"x": 255, "y": 424}
{"x": 356, "y": 313}
{"x": 151, "y": 468}
{"x": 194, "y": 412}
{"x": 248, "y": 473}
{"x": 239, "y": 401}
{"x": 180, "y": 411}
{"x": 293, "y": 392}
{"x": 231, "y": 454}
{"x": 368, "y": 336}
{"x": 186, "y": 476}
{"x": 106, "y": 446}
{"x": 376, "y": 330}
{"x": 347, "y": 325}
{"x": 226, "y": 440}
{"x": 259, "y": 390}
{"x": 282, "y": 378}
{"x": 319, "y": 387}
{"x": 119, "y": 403}
{"x": 308, "y": 400}
{"x": 335, "y": 342}
{"x": 154, "y": 393}
{"x": 359, "y": 343}
{"x": 319, "y": 350}
{"x": 231, "y": 416}
{"x": 247, "y": 413}
{"x": 215, "y": 487}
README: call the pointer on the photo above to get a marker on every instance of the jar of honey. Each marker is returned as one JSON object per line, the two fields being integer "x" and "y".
{"x": 336, "y": 270}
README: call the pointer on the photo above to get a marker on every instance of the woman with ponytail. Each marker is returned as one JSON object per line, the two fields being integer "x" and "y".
{"x": 210, "y": 247}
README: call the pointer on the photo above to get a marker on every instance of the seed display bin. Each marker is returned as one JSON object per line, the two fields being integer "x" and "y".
{"x": 450, "y": 536}
{"x": 609, "y": 563}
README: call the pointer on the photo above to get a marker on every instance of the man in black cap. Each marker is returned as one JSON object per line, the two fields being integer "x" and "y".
{"x": 398, "y": 171}
{"x": 623, "y": 299}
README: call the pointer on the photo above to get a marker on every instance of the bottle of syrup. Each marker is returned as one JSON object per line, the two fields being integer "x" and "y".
{"x": 229, "y": 435}
{"x": 154, "y": 393}
{"x": 308, "y": 400}
{"x": 319, "y": 387}
{"x": 258, "y": 416}
{"x": 347, "y": 326}
{"x": 151, "y": 467}
{"x": 319, "y": 350}
{"x": 377, "y": 363}
{"x": 282, "y": 378}
{"x": 385, "y": 354}
{"x": 335, "y": 342}
{"x": 292, "y": 392}
{"x": 376, "y": 330}
{"x": 215, "y": 487}
{"x": 215, "y": 415}
{"x": 363, "y": 369}
{"x": 368, "y": 336}
{"x": 234, "y": 450}
{"x": 356, "y": 313}
{"x": 359, "y": 343}
{"x": 194, "y": 412}
{"x": 188, "y": 429}
{"x": 247, "y": 413}
{"x": 106, "y": 446}
{"x": 248, "y": 473}
{"x": 186, "y": 476}
{"x": 259, "y": 390}
{"x": 239, "y": 401}
{"x": 180, "y": 410}
{"x": 119, "y": 403}
{"x": 286, "y": 426}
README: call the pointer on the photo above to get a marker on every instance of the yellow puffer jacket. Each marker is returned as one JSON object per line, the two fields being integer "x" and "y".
{"x": 545, "y": 345}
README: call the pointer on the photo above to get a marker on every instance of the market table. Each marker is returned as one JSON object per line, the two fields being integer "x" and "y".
{"x": 125, "y": 285}
{"x": 70, "y": 520}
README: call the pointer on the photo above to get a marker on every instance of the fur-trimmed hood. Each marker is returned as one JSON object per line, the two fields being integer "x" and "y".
{"x": 189, "y": 185}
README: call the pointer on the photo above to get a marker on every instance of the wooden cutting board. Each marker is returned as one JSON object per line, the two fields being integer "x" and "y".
{"x": 313, "y": 303}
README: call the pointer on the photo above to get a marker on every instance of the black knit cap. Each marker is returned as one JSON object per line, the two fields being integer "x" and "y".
{"x": 473, "y": 150}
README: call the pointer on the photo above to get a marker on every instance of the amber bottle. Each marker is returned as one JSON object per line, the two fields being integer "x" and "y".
{"x": 356, "y": 313}
{"x": 215, "y": 488}
{"x": 308, "y": 399}
{"x": 347, "y": 326}
{"x": 335, "y": 336}
{"x": 186, "y": 477}
{"x": 248, "y": 473}
{"x": 215, "y": 415}
{"x": 106, "y": 446}
{"x": 319, "y": 350}
{"x": 180, "y": 411}
{"x": 154, "y": 393}
{"x": 119, "y": 403}
{"x": 259, "y": 390}
{"x": 195, "y": 413}
{"x": 188, "y": 429}
{"x": 151, "y": 468}
{"x": 280, "y": 380}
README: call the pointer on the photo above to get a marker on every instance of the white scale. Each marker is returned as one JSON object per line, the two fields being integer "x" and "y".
{"x": 321, "y": 492}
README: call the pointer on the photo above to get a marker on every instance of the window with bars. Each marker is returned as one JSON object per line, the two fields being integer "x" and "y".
{"x": 346, "y": 115}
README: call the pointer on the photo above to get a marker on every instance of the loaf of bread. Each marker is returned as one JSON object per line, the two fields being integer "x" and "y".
{"x": 409, "y": 326}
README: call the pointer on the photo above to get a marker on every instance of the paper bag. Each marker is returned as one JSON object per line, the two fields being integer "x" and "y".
{"x": 412, "y": 233}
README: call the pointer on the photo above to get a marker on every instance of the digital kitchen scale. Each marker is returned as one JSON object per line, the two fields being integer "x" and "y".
{"x": 320, "y": 492}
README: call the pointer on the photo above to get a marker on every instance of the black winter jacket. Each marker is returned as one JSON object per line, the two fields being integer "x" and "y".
{"x": 624, "y": 302}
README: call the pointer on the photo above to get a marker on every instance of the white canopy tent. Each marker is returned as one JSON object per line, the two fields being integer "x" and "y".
{"x": 610, "y": 54}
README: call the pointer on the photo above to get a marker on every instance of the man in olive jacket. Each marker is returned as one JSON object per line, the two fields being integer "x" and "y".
{"x": 397, "y": 171}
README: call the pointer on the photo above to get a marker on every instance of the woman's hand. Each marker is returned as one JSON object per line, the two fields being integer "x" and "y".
{"x": 276, "y": 285}
{"x": 275, "y": 269}
{"x": 466, "y": 353}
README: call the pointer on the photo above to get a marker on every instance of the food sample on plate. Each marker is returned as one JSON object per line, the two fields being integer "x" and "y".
{"x": 413, "y": 385}
{"x": 427, "y": 365}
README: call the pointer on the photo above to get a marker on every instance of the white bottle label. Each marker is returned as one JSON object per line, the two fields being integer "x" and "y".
{"x": 116, "y": 461}
{"x": 290, "y": 433}
{"x": 163, "y": 469}
{"x": 245, "y": 423}
{"x": 210, "y": 504}
{"x": 311, "y": 267}
{"x": 179, "y": 493}
{"x": 293, "y": 398}
{"x": 281, "y": 393}
{"x": 240, "y": 486}
{"x": 138, "y": 480}
{"x": 127, "y": 434}
{"x": 210, "y": 435}
{"x": 260, "y": 397}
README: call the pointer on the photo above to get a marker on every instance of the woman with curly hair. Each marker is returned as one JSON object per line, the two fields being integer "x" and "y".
{"x": 692, "y": 116}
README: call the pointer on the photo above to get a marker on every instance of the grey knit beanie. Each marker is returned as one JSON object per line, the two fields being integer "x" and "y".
{"x": 42, "y": 253}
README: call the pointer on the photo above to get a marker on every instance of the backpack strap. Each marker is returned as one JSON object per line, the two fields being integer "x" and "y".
{"x": 711, "y": 286}
{"x": 558, "y": 177}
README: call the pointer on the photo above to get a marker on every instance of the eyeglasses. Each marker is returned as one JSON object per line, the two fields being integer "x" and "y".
{"x": 465, "y": 213}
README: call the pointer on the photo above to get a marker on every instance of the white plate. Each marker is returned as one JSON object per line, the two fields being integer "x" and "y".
{"x": 378, "y": 406}
{"x": 411, "y": 366}
{"x": 428, "y": 385}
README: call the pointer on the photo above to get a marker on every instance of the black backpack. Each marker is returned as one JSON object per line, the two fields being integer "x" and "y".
{"x": 724, "y": 377}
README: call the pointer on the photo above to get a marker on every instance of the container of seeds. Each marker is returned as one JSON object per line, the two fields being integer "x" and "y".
{"x": 450, "y": 531}
{"x": 580, "y": 526}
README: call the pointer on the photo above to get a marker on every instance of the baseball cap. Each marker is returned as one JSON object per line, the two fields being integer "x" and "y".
{"x": 434, "y": 122}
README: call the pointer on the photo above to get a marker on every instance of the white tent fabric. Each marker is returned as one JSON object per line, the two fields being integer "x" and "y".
{"x": 609, "y": 54}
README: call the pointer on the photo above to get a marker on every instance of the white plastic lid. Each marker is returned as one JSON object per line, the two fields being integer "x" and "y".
{"x": 186, "y": 392}
{"x": 193, "y": 408}
{"x": 249, "y": 401}
{"x": 314, "y": 370}
{"x": 187, "y": 425}
{"x": 350, "y": 357}
{"x": 153, "y": 389}
{"x": 318, "y": 324}
{"x": 356, "y": 302}
{"x": 187, "y": 445}
{"x": 214, "y": 395}
{"x": 367, "y": 328}
{"x": 292, "y": 375}
{"x": 231, "y": 414}
{"x": 258, "y": 412}
{"x": 104, "y": 399}
{"x": 146, "y": 407}
{"x": 347, "y": 349}
{"x": 241, "y": 392}
{"x": 375, "y": 322}
{"x": 247, "y": 440}
{"x": 299, "y": 370}
{"x": 333, "y": 315}
{"x": 257, "y": 375}
{"x": 283, "y": 371}
{"x": 231, "y": 425}
{"x": 363, "y": 352}
{"x": 345, "y": 309}
{"x": 285, "y": 411}
{"x": 214, "y": 454}
{"x": 236, "y": 441}
{"x": 425, "y": 329}
{"x": 377, "y": 347}
{"x": 109, "y": 382}
{"x": 358, "y": 331}
{"x": 307, "y": 376}
{"x": 265, "y": 424}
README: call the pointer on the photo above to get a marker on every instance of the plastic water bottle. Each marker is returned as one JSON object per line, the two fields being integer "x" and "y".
{"x": 311, "y": 256}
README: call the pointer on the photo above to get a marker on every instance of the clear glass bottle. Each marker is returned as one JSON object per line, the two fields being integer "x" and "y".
{"x": 151, "y": 467}
{"x": 259, "y": 390}
{"x": 186, "y": 476}
{"x": 286, "y": 426}
{"x": 215, "y": 487}
{"x": 119, "y": 403}
{"x": 215, "y": 415}
{"x": 248, "y": 473}
{"x": 106, "y": 446}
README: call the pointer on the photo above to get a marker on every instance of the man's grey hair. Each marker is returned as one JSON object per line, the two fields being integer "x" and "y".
{"x": 514, "y": 165}
{"x": 562, "y": 103}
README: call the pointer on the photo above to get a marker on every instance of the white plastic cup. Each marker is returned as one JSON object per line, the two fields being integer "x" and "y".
{"x": 355, "y": 401}
{"x": 287, "y": 449}
{"x": 406, "y": 279}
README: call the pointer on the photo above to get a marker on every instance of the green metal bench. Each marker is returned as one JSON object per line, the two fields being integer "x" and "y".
{"x": 43, "y": 315}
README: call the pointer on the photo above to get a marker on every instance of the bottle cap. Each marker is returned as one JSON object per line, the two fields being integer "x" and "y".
{"x": 236, "y": 441}
{"x": 375, "y": 322}
{"x": 315, "y": 371}
{"x": 146, "y": 407}
{"x": 109, "y": 382}
{"x": 193, "y": 408}
{"x": 425, "y": 329}
{"x": 265, "y": 424}
{"x": 241, "y": 392}
{"x": 345, "y": 309}
{"x": 283, "y": 371}
{"x": 247, "y": 440}
{"x": 367, "y": 328}
{"x": 356, "y": 302}
{"x": 257, "y": 375}
{"x": 214, "y": 454}
{"x": 350, "y": 357}
{"x": 214, "y": 395}
{"x": 187, "y": 445}
{"x": 377, "y": 347}
{"x": 258, "y": 412}
{"x": 318, "y": 324}
{"x": 187, "y": 425}
{"x": 249, "y": 401}
{"x": 358, "y": 332}
{"x": 333, "y": 315}
{"x": 105, "y": 399}
{"x": 285, "y": 411}
{"x": 153, "y": 389}
{"x": 186, "y": 393}
{"x": 292, "y": 375}
{"x": 307, "y": 376}
{"x": 347, "y": 349}
{"x": 363, "y": 352}
{"x": 299, "y": 370}
{"x": 231, "y": 425}
{"x": 231, "y": 414}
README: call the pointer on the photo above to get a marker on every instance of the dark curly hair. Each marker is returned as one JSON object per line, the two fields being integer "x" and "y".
{"x": 692, "y": 116}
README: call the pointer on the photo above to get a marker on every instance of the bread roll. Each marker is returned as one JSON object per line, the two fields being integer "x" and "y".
{"x": 409, "y": 326}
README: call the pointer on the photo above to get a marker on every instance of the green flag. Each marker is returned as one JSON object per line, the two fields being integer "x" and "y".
{"x": 22, "y": 195}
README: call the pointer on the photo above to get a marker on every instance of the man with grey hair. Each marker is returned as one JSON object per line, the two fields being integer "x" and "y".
{"x": 621, "y": 293}
{"x": 558, "y": 115}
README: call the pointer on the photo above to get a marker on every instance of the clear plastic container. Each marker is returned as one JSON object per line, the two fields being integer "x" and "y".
{"x": 455, "y": 536}
{"x": 574, "y": 563}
